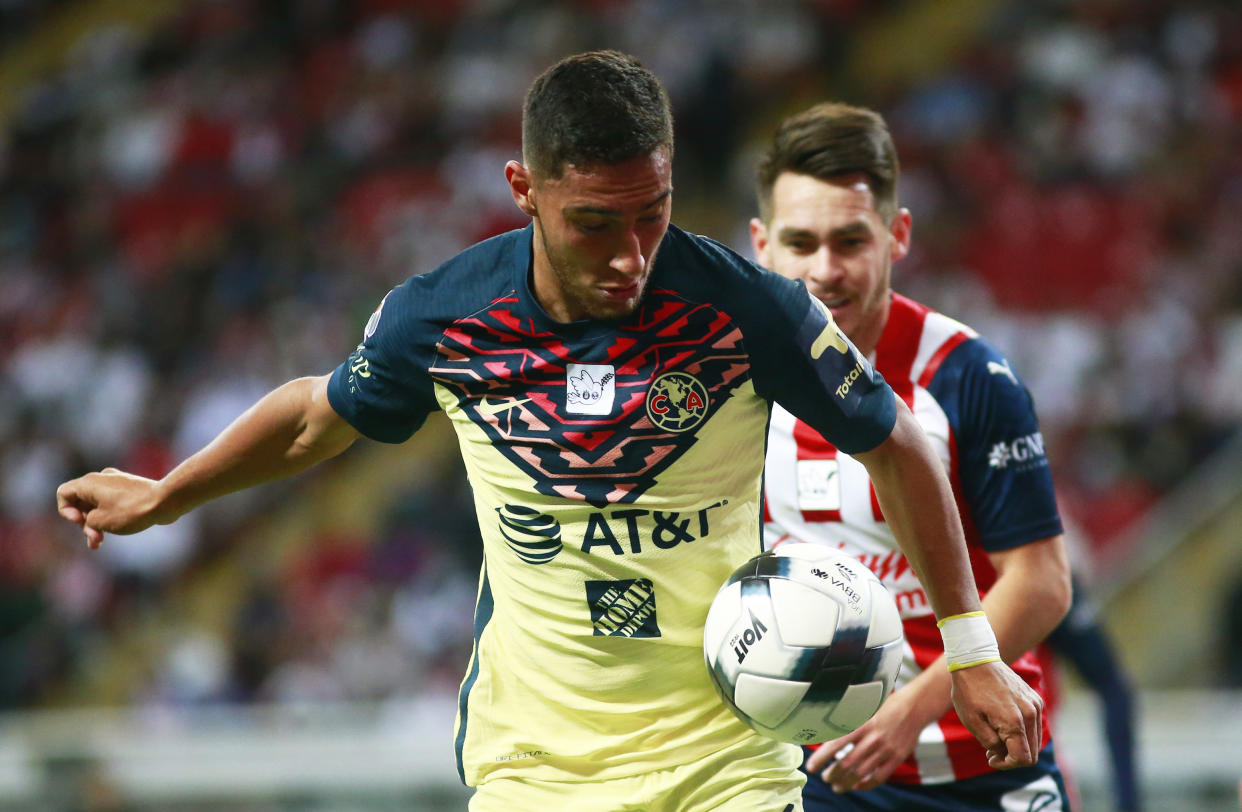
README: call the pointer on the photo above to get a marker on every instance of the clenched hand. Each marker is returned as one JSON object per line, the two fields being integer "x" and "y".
{"x": 109, "y": 501}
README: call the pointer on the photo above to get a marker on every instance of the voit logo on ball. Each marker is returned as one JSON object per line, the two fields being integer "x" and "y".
{"x": 534, "y": 536}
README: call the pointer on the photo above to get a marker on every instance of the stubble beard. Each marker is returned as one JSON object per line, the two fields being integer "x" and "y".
{"x": 584, "y": 299}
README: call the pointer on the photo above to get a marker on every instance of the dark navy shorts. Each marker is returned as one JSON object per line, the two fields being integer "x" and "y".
{"x": 1038, "y": 788}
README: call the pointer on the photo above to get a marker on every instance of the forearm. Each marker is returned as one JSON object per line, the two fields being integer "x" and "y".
{"x": 287, "y": 431}
{"x": 1028, "y": 600}
{"x": 1031, "y": 595}
{"x": 918, "y": 505}
{"x": 930, "y": 693}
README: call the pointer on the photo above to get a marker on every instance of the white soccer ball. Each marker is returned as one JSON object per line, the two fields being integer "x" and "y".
{"x": 803, "y": 643}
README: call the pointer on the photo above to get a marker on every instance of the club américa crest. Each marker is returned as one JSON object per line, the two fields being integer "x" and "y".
{"x": 677, "y": 401}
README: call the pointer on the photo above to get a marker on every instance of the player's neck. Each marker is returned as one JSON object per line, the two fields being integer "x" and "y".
{"x": 866, "y": 336}
{"x": 543, "y": 282}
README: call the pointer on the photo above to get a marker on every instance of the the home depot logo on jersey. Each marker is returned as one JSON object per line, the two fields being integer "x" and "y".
{"x": 625, "y": 608}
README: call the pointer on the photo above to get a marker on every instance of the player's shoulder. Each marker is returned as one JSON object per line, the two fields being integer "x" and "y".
{"x": 415, "y": 312}
{"x": 966, "y": 373}
{"x": 700, "y": 268}
{"x": 940, "y": 346}
{"x": 978, "y": 360}
{"x": 463, "y": 284}
{"x": 478, "y": 271}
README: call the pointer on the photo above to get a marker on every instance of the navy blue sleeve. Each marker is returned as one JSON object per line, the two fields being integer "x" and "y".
{"x": 382, "y": 389}
{"x": 820, "y": 364}
{"x": 1002, "y": 464}
{"x": 801, "y": 360}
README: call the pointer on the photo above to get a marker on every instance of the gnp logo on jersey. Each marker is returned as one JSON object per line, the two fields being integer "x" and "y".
{"x": 590, "y": 388}
{"x": 534, "y": 536}
{"x": 623, "y": 608}
{"x": 677, "y": 401}
{"x": 1024, "y": 453}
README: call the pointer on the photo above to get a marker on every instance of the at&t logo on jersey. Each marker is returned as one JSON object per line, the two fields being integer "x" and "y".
{"x": 677, "y": 401}
{"x": 537, "y": 537}
{"x": 534, "y": 536}
{"x": 662, "y": 529}
{"x": 1022, "y": 454}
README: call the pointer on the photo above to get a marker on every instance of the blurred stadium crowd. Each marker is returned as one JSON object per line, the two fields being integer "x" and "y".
{"x": 195, "y": 211}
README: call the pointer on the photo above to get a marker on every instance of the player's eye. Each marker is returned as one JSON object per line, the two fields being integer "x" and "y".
{"x": 849, "y": 245}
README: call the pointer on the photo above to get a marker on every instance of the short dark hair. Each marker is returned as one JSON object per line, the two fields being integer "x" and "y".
{"x": 827, "y": 141}
{"x": 596, "y": 107}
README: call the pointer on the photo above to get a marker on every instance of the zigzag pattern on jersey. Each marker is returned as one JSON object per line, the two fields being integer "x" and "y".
{"x": 606, "y": 459}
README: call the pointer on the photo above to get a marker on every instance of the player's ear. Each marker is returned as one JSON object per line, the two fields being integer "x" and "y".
{"x": 520, "y": 186}
{"x": 900, "y": 230}
{"x": 759, "y": 241}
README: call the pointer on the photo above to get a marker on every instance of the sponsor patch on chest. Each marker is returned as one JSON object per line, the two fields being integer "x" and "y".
{"x": 590, "y": 388}
{"x": 819, "y": 485}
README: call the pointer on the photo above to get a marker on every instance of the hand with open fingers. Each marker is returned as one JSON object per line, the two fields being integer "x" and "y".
{"x": 109, "y": 501}
{"x": 865, "y": 758}
{"x": 1002, "y": 711}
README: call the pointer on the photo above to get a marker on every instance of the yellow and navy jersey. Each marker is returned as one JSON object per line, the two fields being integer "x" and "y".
{"x": 616, "y": 468}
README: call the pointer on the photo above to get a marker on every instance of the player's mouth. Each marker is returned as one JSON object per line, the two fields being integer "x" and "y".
{"x": 621, "y": 294}
{"x": 835, "y": 303}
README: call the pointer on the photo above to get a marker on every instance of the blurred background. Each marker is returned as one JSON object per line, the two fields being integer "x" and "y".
{"x": 200, "y": 199}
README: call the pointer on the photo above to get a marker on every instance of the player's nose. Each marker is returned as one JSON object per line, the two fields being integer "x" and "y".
{"x": 821, "y": 268}
{"x": 628, "y": 258}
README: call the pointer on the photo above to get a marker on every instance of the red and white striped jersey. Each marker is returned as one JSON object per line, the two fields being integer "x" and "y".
{"x": 982, "y": 423}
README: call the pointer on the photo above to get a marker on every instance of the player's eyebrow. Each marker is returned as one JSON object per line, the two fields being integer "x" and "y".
{"x": 855, "y": 229}
{"x": 614, "y": 212}
{"x": 787, "y": 233}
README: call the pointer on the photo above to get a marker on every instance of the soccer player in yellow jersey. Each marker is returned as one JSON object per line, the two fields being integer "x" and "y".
{"x": 609, "y": 377}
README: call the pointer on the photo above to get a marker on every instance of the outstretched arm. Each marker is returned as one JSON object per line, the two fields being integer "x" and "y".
{"x": 1030, "y": 596}
{"x": 1001, "y": 710}
{"x": 918, "y": 505}
{"x": 287, "y": 431}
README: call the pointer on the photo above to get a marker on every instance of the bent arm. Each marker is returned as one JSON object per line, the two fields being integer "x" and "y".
{"x": 917, "y": 501}
{"x": 994, "y": 704}
{"x": 285, "y": 432}
{"x": 1030, "y": 596}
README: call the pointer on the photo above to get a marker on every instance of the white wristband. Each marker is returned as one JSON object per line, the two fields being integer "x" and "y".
{"x": 968, "y": 640}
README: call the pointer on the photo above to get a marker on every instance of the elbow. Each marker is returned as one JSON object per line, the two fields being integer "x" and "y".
{"x": 1048, "y": 580}
{"x": 1059, "y": 591}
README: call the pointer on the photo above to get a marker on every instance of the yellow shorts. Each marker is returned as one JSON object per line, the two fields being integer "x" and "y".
{"x": 743, "y": 778}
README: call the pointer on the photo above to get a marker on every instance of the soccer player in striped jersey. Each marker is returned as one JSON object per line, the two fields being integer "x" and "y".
{"x": 609, "y": 378}
{"x": 829, "y": 216}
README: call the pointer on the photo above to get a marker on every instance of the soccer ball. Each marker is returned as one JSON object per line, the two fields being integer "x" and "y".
{"x": 803, "y": 643}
